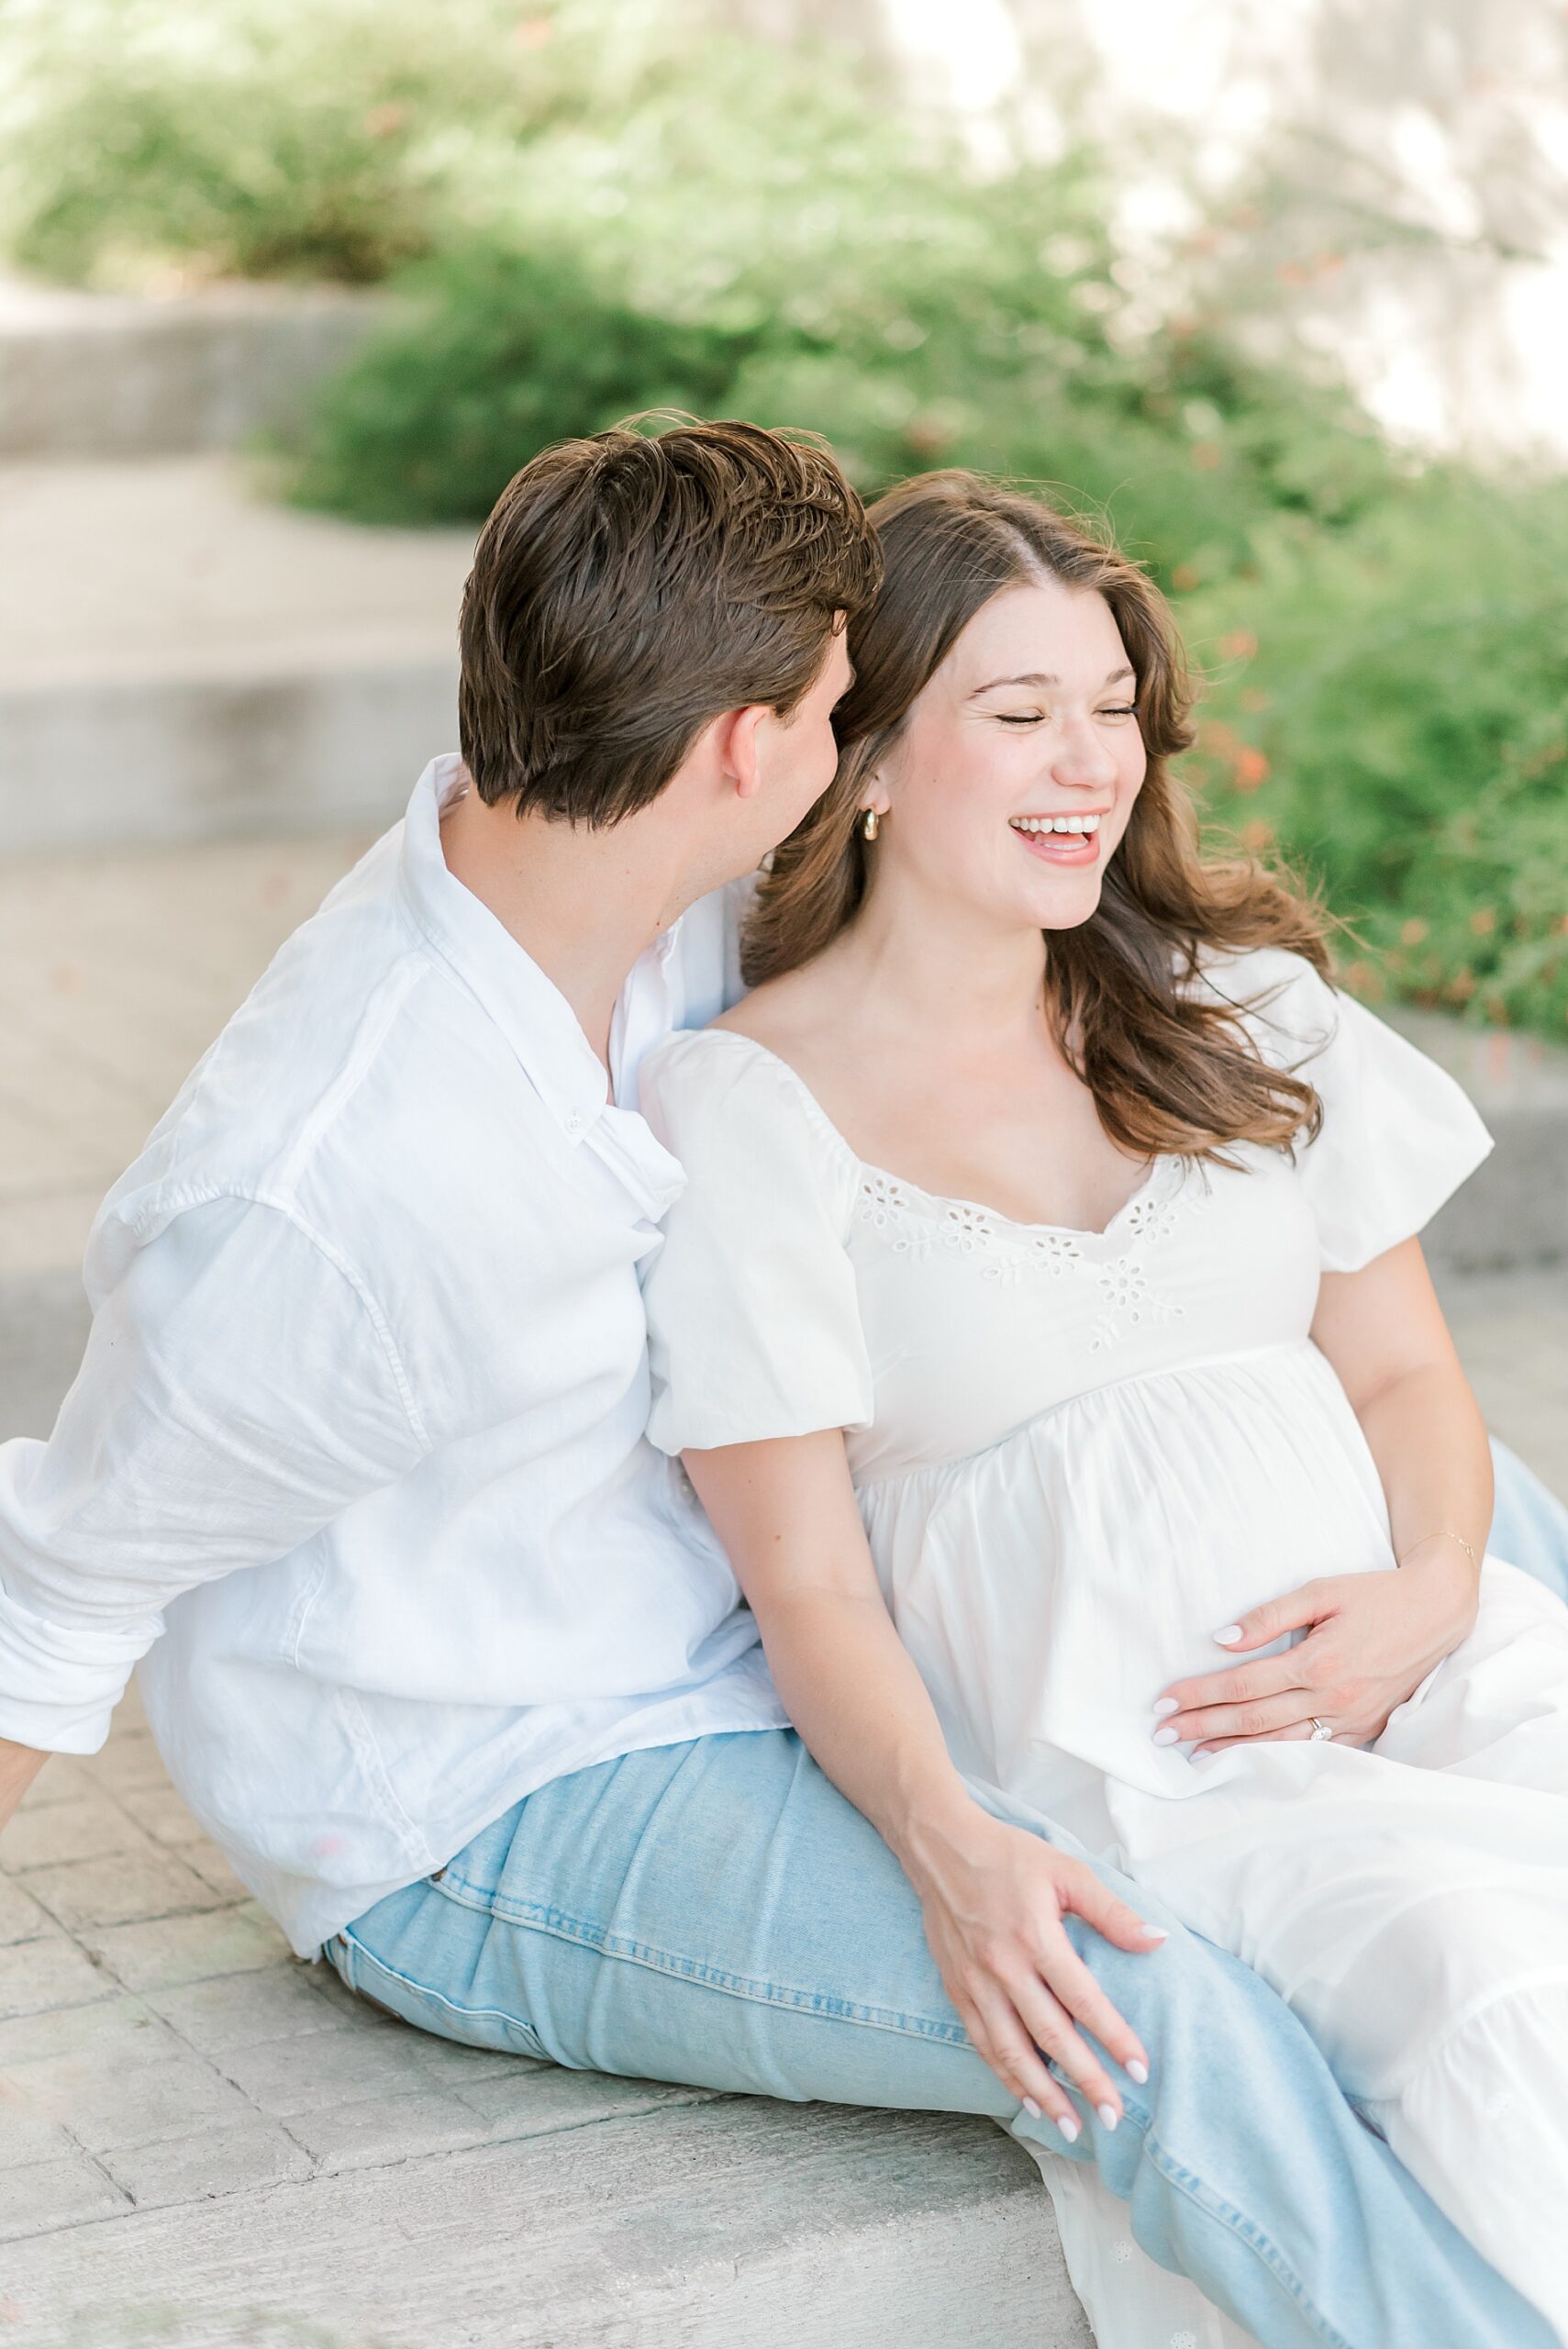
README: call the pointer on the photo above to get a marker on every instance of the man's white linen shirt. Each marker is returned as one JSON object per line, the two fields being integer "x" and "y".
{"x": 355, "y": 1463}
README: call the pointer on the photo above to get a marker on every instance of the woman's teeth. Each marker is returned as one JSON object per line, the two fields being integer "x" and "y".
{"x": 1054, "y": 823}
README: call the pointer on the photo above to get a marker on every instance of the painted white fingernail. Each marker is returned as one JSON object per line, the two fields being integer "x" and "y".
{"x": 1155, "y": 1932}
{"x": 1139, "y": 2072}
{"x": 1109, "y": 2114}
{"x": 1167, "y": 1737}
{"x": 1166, "y": 1705}
{"x": 1230, "y": 1636}
{"x": 1069, "y": 2128}
{"x": 1032, "y": 2109}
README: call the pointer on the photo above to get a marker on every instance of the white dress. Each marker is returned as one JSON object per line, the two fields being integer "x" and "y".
{"x": 1077, "y": 1455}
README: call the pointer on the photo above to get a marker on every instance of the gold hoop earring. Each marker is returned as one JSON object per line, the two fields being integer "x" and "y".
{"x": 872, "y": 825}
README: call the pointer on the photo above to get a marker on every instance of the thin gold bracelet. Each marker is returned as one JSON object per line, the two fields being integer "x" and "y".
{"x": 1444, "y": 1532}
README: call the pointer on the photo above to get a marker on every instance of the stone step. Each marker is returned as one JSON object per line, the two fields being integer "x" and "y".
{"x": 110, "y": 375}
{"x": 696, "y": 2227}
{"x": 1514, "y": 1208}
{"x": 180, "y": 659}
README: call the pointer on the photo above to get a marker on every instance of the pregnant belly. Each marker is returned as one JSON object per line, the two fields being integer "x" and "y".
{"x": 1051, "y": 1588}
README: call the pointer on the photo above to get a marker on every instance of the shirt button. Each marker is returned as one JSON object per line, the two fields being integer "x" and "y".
{"x": 574, "y": 1121}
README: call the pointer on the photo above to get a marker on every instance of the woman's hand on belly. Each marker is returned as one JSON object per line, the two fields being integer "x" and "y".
{"x": 1371, "y": 1641}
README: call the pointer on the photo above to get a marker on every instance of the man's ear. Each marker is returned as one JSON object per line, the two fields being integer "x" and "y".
{"x": 739, "y": 747}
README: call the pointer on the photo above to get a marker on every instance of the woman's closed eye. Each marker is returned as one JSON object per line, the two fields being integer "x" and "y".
{"x": 1037, "y": 717}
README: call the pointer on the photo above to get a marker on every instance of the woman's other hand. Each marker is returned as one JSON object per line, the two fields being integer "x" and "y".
{"x": 993, "y": 1897}
{"x": 1371, "y": 1641}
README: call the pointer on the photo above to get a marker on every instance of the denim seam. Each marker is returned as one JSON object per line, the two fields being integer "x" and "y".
{"x": 437, "y": 1998}
{"x": 556, "y": 1922}
{"x": 1213, "y": 2205}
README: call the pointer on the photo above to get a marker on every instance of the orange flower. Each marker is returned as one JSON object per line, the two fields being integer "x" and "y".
{"x": 1251, "y": 769}
{"x": 1414, "y": 931}
{"x": 1240, "y": 645}
{"x": 1184, "y": 576}
{"x": 1484, "y": 921}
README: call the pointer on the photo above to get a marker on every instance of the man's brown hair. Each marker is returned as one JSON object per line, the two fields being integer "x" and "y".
{"x": 629, "y": 588}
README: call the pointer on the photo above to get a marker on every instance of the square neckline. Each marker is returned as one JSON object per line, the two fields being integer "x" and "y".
{"x": 1160, "y": 1165}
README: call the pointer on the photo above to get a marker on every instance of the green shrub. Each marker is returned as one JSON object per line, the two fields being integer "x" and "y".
{"x": 327, "y": 139}
{"x": 1390, "y": 705}
{"x": 514, "y": 351}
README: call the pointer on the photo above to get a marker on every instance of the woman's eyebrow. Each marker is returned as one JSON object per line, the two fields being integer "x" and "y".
{"x": 1040, "y": 677}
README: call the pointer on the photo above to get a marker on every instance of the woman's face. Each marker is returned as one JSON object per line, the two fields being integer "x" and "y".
{"x": 1028, "y": 721}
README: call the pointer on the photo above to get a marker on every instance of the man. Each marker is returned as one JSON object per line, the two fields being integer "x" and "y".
{"x": 433, "y": 1643}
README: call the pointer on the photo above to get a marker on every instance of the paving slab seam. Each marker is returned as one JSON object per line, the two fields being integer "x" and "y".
{"x": 323, "y": 2171}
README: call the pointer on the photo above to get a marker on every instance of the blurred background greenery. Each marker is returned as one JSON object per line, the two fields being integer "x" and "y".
{"x": 593, "y": 207}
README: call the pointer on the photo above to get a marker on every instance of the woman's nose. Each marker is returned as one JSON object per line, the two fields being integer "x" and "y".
{"x": 1082, "y": 758}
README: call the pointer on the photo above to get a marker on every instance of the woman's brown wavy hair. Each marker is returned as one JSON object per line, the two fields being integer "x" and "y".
{"x": 1169, "y": 1070}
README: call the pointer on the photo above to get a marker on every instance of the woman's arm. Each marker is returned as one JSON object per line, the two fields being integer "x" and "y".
{"x": 993, "y": 1896}
{"x": 1383, "y": 1331}
{"x": 1371, "y": 1639}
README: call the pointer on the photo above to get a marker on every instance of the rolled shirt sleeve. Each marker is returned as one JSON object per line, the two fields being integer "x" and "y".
{"x": 239, "y": 1390}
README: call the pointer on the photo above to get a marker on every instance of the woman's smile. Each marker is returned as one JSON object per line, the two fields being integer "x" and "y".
{"x": 1063, "y": 840}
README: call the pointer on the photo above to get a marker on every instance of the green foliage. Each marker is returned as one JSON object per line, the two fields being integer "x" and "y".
{"x": 1390, "y": 705}
{"x": 271, "y": 138}
{"x": 511, "y": 351}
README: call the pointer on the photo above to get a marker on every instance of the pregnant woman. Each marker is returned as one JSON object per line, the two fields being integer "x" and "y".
{"x": 1044, "y": 1330}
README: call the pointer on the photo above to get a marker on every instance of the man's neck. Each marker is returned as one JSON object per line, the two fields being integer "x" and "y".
{"x": 582, "y": 904}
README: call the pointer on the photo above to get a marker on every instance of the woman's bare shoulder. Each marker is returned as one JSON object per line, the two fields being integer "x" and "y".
{"x": 790, "y": 1015}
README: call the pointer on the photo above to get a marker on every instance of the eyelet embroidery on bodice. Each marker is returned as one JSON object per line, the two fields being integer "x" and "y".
{"x": 917, "y": 1225}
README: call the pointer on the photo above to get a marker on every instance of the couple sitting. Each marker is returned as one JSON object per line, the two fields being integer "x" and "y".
{"x": 1030, "y": 1266}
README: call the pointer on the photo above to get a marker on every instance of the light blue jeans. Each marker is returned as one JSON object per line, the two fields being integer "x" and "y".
{"x": 716, "y": 1913}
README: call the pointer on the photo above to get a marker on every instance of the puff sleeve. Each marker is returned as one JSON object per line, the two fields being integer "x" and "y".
{"x": 1399, "y": 1135}
{"x": 754, "y": 1326}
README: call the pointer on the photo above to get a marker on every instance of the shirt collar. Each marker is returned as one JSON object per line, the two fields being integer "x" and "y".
{"x": 533, "y": 1015}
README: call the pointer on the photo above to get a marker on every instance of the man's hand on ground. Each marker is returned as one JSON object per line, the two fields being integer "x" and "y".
{"x": 19, "y": 1766}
